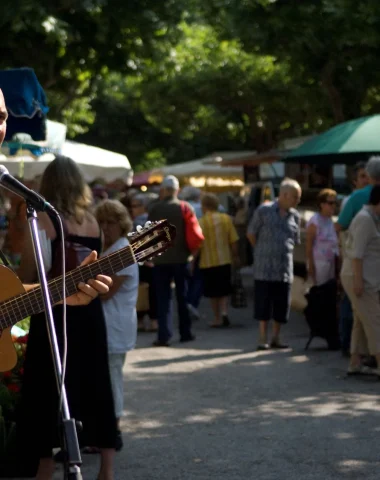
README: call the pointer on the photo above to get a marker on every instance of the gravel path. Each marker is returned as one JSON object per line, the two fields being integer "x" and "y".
{"x": 216, "y": 408}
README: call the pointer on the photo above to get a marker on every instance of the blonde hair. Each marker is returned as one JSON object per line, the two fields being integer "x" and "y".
{"x": 114, "y": 209}
{"x": 63, "y": 185}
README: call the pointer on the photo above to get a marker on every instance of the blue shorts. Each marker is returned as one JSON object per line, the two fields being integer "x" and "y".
{"x": 272, "y": 301}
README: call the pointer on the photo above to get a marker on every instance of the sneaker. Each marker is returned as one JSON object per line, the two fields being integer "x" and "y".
{"x": 263, "y": 346}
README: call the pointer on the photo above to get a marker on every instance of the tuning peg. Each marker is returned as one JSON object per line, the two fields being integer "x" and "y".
{"x": 148, "y": 224}
{"x": 139, "y": 228}
{"x": 131, "y": 234}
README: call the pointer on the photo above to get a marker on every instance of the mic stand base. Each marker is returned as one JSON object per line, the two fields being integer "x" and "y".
{"x": 72, "y": 453}
{"x": 70, "y": 446}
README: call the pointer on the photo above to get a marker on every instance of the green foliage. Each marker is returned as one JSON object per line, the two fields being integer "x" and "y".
{"x": 170, "y": 81}
{"x": 72, "y": 43}
{"x": 333, "y": 43}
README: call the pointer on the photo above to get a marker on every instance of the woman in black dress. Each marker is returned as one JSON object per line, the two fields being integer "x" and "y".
{"x": 87, "y": 376}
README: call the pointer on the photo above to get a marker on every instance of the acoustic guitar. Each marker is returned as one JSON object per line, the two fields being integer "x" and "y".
{"x": 15, "y": 304}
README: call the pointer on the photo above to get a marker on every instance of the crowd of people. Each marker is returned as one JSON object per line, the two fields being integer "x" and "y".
{"x": 346, "y": 252}
{"x": 348, "y": 249}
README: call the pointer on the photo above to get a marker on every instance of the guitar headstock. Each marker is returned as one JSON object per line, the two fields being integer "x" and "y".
{"x": 152, "y": 240}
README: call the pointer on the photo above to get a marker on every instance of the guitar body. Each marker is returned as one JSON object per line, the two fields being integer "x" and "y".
{"x": 10, "y": 286}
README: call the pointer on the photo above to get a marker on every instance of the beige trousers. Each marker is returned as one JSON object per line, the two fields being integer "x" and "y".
{"x": 365, "y": 337}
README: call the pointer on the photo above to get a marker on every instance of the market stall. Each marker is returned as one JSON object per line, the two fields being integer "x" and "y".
{"x": 202, "y": 173}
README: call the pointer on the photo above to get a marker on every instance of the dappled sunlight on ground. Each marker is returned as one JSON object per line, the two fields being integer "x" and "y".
{"x": 218, "y": 409}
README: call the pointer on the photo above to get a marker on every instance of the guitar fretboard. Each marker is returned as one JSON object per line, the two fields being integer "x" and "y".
{"x": 25, "y": 304}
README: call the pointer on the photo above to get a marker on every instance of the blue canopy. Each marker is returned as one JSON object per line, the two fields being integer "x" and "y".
{"x": 26, "y": 103}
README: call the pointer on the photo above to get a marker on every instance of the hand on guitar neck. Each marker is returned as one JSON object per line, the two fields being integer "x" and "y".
{"x": 17, "y": 301}
{"x": 87, "y": 291}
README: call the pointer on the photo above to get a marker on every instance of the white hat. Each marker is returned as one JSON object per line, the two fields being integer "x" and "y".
{"x": 170, "y": 182}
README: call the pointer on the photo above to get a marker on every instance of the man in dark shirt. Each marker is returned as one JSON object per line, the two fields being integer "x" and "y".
{"x": 171, "y": 265}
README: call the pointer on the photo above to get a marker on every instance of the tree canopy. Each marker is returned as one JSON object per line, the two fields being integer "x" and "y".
{"x": 171, "y": 81}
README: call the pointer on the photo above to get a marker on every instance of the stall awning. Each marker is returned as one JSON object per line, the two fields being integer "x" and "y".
{"x": 96, "y": 162}
{"x": 93, "y": 161}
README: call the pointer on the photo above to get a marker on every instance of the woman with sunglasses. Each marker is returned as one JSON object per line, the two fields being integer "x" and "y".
{"x": 322, "y": 247}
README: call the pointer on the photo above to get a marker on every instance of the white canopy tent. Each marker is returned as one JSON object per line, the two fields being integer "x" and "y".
{"x": 96, "y": 162}
{"x": 93, "y": 161}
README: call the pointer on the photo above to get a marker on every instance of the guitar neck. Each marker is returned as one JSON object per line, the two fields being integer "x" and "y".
{"x": 21, "y": 306}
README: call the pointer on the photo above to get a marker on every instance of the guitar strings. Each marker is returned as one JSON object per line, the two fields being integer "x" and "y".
{"x": 16, "y": 308}
{"x": 8, "y": 308}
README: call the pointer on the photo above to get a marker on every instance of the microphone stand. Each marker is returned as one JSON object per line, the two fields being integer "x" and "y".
{"x": 70, "y": 447}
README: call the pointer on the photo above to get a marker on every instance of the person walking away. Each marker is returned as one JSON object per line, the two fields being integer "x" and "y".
{"x": 119, "y": 304}
{"x": 171, "y": 265}
{"x": 274, "y": 230}
{"x": 361, "y": 281}
{"x": 218, "y": 251}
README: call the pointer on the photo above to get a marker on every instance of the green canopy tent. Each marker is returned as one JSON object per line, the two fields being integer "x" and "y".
{"x": 346, "y": 143}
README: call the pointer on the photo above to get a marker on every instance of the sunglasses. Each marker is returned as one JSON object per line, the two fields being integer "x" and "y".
{"x": 331, "y": 202}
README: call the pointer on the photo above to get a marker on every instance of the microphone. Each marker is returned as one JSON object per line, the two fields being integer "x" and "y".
{"x": 30, "y": 196}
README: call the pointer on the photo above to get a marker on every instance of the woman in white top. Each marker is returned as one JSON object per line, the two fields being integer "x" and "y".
{"x": 361, "y": 281}
{"x": 119, "y": 304}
